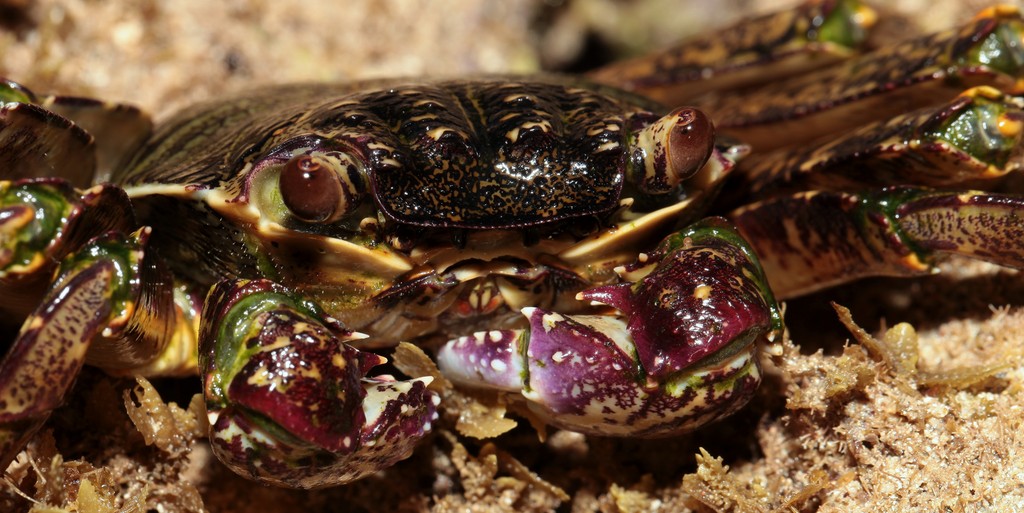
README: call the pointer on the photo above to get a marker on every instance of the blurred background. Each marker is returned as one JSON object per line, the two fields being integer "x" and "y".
{"x": 162, "y": 55}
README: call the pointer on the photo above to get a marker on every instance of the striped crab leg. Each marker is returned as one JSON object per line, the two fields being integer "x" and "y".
{"x": 77, "y": 139}
{"x": 814, "y": 240}
{"x": 678, "y": 350}
{"x": 972, "y": 140}
{"x": 82, "y": 292}
{"x": 878, "y": 85}
{"x": 816, "y": 34}
{"x": 107, "y": 306}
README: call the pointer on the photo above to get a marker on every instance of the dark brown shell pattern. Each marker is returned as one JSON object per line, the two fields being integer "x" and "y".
{"x": 481, "y": 154}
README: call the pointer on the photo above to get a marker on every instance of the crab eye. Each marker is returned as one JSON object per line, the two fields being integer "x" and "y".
{"x": 690, "y": 142}
{"x": 672, "y": 149}
{"x": 321, "y": 187}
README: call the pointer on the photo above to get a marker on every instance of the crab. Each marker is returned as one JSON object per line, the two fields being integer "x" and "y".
{"x": 542, "y": 236}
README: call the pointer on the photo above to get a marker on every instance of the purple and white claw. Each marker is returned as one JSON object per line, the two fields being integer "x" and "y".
{"x": 290, "y": 403}
{"x": 681, "y": 352}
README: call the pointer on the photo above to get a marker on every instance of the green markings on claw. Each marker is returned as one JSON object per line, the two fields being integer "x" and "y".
{"x": 240, "y": 325}
{"x": 523, "y": 348}
{"x": 237, "y": 326}
{"x": 713, "y": 381}
{"x": 45, "y": 213}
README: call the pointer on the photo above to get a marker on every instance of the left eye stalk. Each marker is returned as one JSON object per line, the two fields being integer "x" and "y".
{"x": 321, "y": 187}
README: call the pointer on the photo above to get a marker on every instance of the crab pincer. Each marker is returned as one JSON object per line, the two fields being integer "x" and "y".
{"x": 679, "y": 351}
{"x": 290, "y": 403}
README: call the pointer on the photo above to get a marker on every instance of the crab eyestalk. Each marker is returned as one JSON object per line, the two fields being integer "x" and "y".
{"x": 290, "y": 403}
{"x": 681, "y": 354}
{"x": 670, "y": 150}
{"x": 322, "y": 187}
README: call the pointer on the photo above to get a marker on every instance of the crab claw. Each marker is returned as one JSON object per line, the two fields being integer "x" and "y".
{"x": 290, "y": 403}
{"x": 682, "y": 354}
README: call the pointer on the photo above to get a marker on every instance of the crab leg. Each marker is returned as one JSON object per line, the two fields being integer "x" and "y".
{"x": 46, "y": 156}
{"x": 763, "y": 49}
{"x": 101, "y": 302}
{"x": 679, "y": 351}
{"x": 974, "y": 139}
{"x": 41, "y": 221}
{"x": 878, "y": 85}
{"x": 814, "y": 240}
{"x": 290, "y": 402}
{"x": 78, "y": 139}
{"x": 108, "y": 305}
